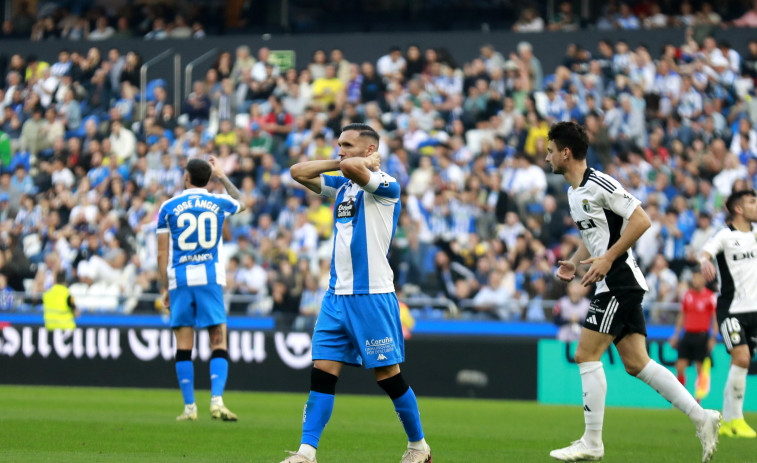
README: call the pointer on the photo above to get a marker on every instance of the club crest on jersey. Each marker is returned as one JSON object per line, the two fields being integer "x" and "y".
{"x": 345, "y": 211}
{"x": 585, "y": 205}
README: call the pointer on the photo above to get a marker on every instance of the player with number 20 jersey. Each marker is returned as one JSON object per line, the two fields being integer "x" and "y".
{"x": 192, "y": 273}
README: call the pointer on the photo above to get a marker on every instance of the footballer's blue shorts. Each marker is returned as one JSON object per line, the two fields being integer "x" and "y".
{"x": 360, "y": 329}
{"x": 197, "y": 306}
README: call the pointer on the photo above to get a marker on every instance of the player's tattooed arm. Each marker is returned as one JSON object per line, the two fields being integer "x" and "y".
{"x": 233, "y": 191}
{"x": 230, "y": 187}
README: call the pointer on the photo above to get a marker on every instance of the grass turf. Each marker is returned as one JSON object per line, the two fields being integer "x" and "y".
{"x": 56, "y": 424}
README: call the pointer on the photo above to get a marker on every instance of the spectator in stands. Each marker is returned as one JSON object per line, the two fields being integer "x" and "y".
{"x": 158, "y": 31}
{"x": 493, "y": 300}
{"x": 180, "y": 29}
{"x": 103, "y": 31}
{"x": 123, "y": 142}
{"x": 123, "y": 31}
{"x": 570, "y": 311}
{"x": 197, "y": 105}
{"x": 626, "y": 19}
{"x": 259, "y": 73}
{"x": 529, "y": 21}
{"x": 392, "y": 65}
{"x": 656, "y": 18}
{"x": 317, "y": 66}
{"x": 565, "y": 19}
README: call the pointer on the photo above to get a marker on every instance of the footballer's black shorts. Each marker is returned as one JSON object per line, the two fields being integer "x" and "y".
{"x": 693, "y": 346}
{"x": 617, "y": 313}
{"x": 738, "y": 329}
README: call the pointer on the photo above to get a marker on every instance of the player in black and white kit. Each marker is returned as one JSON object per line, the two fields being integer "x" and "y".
{"x": 610, "y": 221}
{"x": 735, "y": 250}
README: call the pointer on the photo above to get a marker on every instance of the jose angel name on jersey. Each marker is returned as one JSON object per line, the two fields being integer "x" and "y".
{"x": 736, "y": 255}
{"x": 601, "y": 207}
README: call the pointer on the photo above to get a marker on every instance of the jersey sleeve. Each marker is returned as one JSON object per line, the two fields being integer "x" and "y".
{"x": 383, "y": 185}
{"x": 162, "y": 220}
{"x": 619, "y": 201}
{"x": 714, "y": 245}
{"x": 229, "y": 205}
{"x": 330, "y": 184}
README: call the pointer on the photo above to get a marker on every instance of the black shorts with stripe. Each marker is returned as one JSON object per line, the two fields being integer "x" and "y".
{"x": 617, "y": 313}
{"x": 693, "y": 346}
{"x": 738, "y": 329}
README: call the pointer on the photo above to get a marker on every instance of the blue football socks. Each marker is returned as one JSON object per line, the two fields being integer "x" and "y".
{"x": 219, "y": 371}
{"x": 185, "y": 372}
{"x": 319, "y": 406}
{"x": 405, "y": 404}
{"x": 407, "y": 409}
{"x": 317, "y": 414}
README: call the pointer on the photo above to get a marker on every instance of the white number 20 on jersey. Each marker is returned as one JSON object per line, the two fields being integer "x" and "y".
{"x": 206, "y": 225}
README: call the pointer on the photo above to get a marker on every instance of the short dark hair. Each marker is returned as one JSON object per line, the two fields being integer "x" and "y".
{"x": 736, "y": 198}
{"x": 570, "y": 135}
{"x": 199, "y": 171}
{"x": 60, "y": 277}
{"x": 364, "y": 129}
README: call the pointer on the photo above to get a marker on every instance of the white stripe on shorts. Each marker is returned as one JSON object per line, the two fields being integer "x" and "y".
{"x": 726, "y": 335}
{"x": 612, "y": 307}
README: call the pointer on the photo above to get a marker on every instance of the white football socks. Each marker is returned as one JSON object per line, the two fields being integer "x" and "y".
{"x": 668, "y": 386}
{"x": 216, "y": 400}
{"x": 733, "y": 395}
{"x": 418, "y": 445}
{"x": 594, "y": 386}
{"x": 307, "y": 451}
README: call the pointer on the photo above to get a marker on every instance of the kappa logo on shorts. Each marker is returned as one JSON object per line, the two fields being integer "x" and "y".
{"x": 381, "y": 357}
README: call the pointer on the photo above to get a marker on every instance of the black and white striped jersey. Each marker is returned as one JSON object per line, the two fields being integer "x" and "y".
{"x": 736, "y": 254}
{"x": 601, "y": 207}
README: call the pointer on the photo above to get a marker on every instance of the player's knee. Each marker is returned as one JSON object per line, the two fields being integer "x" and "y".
{"x": 581, "y": 356}
{"x": 633, "y": 369}
{"x": 395, "y": 386}
{"x": 741, "y": 359}
{"x": 323, "y": 382}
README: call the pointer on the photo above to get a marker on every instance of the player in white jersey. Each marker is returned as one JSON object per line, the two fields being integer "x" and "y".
{"x": 735, "y": 250}
{"x": 359, "y": 322}
{"x": 610, "y": 221}
{"x": 192, "y": 275}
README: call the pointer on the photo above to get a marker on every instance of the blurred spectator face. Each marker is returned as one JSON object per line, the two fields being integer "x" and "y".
{"x": 263, "y": 54}
{"x": 697, "y": 281}
{"x": 413, "y": 53}
{"x": 431, "y": 55}
{"x": 211, "y": 76}
{"x": 319, "y": 56}
{"x": 243, "y": 52}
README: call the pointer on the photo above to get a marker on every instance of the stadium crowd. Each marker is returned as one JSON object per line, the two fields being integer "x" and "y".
{"x": 179, "y": 19}
{"x": 483, "y": 221}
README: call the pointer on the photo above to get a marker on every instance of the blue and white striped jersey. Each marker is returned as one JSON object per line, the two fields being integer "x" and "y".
{"x": 364, "y": 223}
{"x": 194, "y": 220}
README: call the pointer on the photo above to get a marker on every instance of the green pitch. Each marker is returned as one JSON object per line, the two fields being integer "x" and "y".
{"x": 39, "y": 424}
